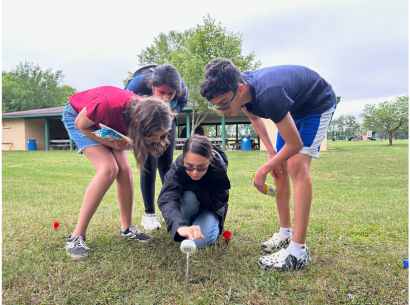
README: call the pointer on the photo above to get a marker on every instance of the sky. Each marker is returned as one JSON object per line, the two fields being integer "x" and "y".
{"x": 359, "y": 47}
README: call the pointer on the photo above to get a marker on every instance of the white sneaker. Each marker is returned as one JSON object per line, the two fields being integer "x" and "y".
{"x": 151, "y": 221}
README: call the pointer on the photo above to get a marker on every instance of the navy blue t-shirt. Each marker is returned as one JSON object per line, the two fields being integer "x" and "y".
{"x": 139, "y": 85}
{"x": 281, "y": 89}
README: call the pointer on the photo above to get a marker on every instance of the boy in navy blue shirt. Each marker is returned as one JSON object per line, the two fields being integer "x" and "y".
{"x": 301, "y": 104}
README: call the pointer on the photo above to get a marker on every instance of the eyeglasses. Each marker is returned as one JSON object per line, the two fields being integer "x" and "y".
{"x": 224, "y": 107}
{"x": 192, "y": 168}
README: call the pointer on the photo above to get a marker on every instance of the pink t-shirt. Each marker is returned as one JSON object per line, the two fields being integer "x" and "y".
{"x": 105, "y": 105}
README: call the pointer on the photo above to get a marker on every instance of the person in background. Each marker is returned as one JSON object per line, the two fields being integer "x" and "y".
{"x": 164, "y": 82}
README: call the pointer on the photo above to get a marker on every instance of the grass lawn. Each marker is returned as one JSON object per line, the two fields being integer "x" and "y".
{"x": 358, "y": 236}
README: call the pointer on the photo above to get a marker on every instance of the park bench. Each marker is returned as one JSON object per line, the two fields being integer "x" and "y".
{"x": 179, "y": 143}
{"x": 57, "y": 144}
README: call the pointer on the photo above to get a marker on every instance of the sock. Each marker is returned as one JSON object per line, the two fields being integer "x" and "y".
{"x": 287, "y": 232}
{"x": 297, "y": 250}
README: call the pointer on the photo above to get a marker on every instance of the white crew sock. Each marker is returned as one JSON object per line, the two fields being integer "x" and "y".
{"x": 287, "y": 232}
{"x": 297, "y": 250}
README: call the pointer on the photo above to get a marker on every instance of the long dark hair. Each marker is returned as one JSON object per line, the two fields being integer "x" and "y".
{"x": 199, "y": 145}
{"x": 143, "y": 118}
{"x": 166, "y": 74}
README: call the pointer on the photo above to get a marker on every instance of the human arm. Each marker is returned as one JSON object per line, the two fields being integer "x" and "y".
{"x": 261, "y": 130}
{"x": 183, "y": 99}
{"x": 293, "y": 143}
{"x": 169, "y": 205}
{"x": 87, "y": 126}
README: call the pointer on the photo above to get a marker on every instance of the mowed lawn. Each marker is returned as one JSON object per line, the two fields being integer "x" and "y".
{"x": 358, "y": 236}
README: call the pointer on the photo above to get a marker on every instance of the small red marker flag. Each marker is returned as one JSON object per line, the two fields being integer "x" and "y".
{"x": 227, "y": 236}
{"x": 56, "y": 224}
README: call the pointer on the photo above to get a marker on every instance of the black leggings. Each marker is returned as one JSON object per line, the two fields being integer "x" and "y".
{"x": 163, "y": 163}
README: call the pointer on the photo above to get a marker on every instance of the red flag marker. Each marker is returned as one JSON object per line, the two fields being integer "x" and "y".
{"x": 56, "y": 224}
{"x": 227, "y": 236}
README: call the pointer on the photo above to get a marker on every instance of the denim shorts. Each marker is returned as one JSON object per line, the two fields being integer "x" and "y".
{"x": 79, "y": 138}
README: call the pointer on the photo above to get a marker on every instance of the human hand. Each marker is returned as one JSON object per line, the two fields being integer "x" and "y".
{"x": 192, "y": 232}
{"x": 259, "y": 181}
{"x": 120, "y": 144}
{"x": 175, "y": 111}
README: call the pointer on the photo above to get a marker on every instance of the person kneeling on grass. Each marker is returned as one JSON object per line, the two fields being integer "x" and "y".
{"x": 301, "y": 104}
{"x": 194, "y": 197}
{"x": 147, "y": 121}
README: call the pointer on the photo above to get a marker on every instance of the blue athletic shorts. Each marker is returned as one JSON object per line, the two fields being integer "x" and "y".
{"x": 312, "y": 129}
{"x": 79, "y": 138}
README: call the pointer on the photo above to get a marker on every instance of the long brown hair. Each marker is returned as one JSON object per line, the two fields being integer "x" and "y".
{"x": 144, "y": 117}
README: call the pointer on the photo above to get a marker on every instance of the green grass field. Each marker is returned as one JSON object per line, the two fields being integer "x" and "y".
{"x": 358, "y": 236}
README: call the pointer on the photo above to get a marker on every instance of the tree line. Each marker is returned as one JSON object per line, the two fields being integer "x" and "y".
{"x": 390, "y": 117}
{"x": 28, "y": 87}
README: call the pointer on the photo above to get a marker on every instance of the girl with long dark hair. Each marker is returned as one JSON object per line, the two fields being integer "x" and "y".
{"x": 163, "y": 82}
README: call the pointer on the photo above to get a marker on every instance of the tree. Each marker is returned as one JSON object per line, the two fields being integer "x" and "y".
{"x": 27, "y": 87}
{"x": 191, "y": 50}
{"x": 388, "y": 116}
{"x": 344, "y": 122}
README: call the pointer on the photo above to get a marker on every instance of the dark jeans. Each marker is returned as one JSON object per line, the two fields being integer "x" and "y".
{"x": 163, "y": 164}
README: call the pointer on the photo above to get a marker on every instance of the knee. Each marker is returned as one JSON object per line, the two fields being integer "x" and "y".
{"x": 188, "y": 198}
{"x": 125, "y": 170}
{"x": 209, "y": 239}
{"x": 281, "y": 177}
{"x": 298, "y": 170}
{"x": 109, "y": 171}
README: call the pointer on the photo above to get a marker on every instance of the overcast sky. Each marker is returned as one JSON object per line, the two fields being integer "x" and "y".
{"x": 360, "y": 47}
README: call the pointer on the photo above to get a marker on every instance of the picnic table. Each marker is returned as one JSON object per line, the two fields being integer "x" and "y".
{"x": 217, "y": 141}
{"x": 179, "y": 143}
{"x": 254, "y": 145}
{"x": 236, "y": 144}
{"x": 57, "y": 144}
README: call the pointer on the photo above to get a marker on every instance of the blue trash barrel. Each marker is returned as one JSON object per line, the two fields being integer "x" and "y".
{"x": 246, "y": 143}
{"x": 31, "y": 144}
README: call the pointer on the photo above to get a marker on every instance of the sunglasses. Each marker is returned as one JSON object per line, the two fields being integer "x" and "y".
{"x": 192, "y": 168}
{"x": 224, "y": 107}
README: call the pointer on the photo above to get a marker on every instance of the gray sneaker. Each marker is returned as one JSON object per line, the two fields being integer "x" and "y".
{"x": 284, "y": 261}
{"x": 276, "y": 243}
{"x": 76, "y": 247}
{"x": 132, "y": 233}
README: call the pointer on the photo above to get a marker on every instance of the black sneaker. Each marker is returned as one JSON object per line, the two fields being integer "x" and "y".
{"x": 132, "y": 233}
{"x": 76, "y": 247}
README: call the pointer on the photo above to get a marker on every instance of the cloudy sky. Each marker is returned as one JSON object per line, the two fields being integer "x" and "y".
{"x": 360, "y": 47}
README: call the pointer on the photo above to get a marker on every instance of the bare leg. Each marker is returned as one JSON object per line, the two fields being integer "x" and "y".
{"x": 282, "y": 183}
{"x": 299, "y": 170}
{"x": 125, "y": 187}
{"x": 107, "y": 169}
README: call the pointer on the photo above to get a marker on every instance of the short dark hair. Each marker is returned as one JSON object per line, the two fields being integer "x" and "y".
{"x": 221, "y": 76}
{"x": 199, "y": 145}
{"x": 166, "y": 74}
